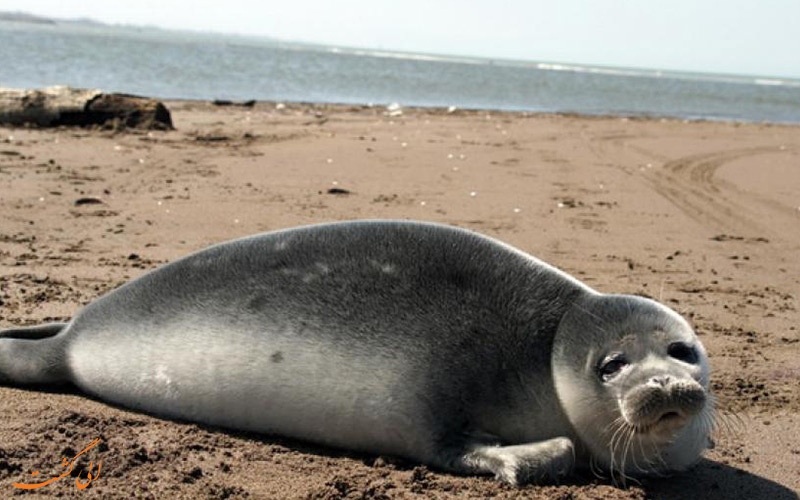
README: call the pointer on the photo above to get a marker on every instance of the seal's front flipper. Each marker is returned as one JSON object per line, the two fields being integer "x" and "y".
{"x": 33, "y": 332}
{"x": 33, "y": 355}
{"x": 524, "y": 463}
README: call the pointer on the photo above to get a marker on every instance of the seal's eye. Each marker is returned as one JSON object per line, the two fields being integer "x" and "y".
{"x": 611, "y": 366}
{"x": 683, "y": 352}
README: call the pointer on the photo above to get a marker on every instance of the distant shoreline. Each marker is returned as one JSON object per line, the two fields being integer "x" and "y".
{"x": 24, "y": 17}
{"x": 345, "y": 106}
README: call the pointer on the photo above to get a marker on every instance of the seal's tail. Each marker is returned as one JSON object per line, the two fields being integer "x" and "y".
{"x": 33, "y": 355}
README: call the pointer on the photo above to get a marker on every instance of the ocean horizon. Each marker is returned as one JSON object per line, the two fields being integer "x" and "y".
{"x": 168, "y": 64}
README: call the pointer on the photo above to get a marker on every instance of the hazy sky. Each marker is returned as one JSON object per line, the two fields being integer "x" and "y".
{"x": 728, "y": 36}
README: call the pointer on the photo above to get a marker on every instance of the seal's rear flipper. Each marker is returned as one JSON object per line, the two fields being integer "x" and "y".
{"x": 33, "y": 332}
{"x": 33, "y": 355}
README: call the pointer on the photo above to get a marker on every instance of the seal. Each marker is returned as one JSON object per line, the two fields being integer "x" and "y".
{"x": 417, "y": 340}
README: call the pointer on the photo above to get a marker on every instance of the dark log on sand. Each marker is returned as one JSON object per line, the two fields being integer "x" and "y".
{"x": 55, "y": 106}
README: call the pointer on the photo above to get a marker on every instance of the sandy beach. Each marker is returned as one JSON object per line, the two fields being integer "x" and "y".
{"x": 703, "y": 216}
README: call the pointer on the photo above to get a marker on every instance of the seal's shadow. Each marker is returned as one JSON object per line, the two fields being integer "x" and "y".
{"x": 715, "y": 481}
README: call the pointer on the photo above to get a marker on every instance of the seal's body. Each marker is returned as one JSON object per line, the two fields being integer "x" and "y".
{"x": 411, "y": 339}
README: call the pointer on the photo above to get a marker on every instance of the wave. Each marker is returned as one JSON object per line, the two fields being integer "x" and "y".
{"x": 388, "y": 54}
{"x": 573, "y": 68}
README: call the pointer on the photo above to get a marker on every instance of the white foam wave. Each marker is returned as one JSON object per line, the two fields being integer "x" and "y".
{"x": 408, "y": 55}
{"x": 774, "y": 81}
{"x": 573, "y": 68}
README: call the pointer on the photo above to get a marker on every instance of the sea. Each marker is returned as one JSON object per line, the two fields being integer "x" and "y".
{"x": 187, "y": 65}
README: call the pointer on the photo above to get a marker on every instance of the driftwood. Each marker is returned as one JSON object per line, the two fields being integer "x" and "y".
{"x": 56, "y": 106}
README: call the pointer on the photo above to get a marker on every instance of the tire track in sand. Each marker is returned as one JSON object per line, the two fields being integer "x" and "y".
{"x": 690, "y": 184}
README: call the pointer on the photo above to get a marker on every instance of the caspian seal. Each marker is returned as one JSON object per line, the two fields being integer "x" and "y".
{"x": 411, "y": 339}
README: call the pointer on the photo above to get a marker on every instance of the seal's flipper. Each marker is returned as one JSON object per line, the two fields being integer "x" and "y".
{"x": 33, "y": 355}
{"x": 521, "y": 464}
{"x": 33, "y": 332}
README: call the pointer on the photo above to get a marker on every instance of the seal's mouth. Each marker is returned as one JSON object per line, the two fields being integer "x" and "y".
{"x": 669, "y": 416}
{"x": 669, "y": 421}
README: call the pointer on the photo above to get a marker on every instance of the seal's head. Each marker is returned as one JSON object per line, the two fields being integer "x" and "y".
{"x": 633, "y": 378}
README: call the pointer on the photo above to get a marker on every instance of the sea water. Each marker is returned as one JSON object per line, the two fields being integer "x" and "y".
{"x": 186, "y": 65}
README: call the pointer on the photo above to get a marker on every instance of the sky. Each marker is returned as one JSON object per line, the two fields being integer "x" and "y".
{"x": 751, "y": 37}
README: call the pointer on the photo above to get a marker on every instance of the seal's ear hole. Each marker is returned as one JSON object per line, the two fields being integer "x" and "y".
{"x": 683, "y": 352}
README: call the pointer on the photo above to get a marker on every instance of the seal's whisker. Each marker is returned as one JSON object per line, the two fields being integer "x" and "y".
{"x": 613, "y": 425}
{"x": 709, "y": 422}
{"x": 595, "y": 469}
{"x": 660, "y": 458}
{"x": 612, "y": 450}
{"x": 649, "y": 463}
{"x": 620, "y": 440}
{"x": 616, "y": 427}
{"x": 722, "y": 421}
{"x": 725, "y": 421}
{"x": 628, "y": 446}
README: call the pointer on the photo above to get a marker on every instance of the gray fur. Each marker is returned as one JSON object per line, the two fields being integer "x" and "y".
{"x": 411, "y": 339}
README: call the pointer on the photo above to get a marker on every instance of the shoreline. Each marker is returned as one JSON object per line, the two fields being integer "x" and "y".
{"x": 434, "y": 109}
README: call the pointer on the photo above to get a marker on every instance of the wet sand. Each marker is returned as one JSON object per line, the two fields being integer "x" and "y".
{"x": 702, "y": 216}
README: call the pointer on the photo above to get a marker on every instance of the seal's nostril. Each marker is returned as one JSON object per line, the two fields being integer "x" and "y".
{"x": 661, "y": 380}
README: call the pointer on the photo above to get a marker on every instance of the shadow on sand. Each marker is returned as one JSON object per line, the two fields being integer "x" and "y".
{"x": 711, "y": 480}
